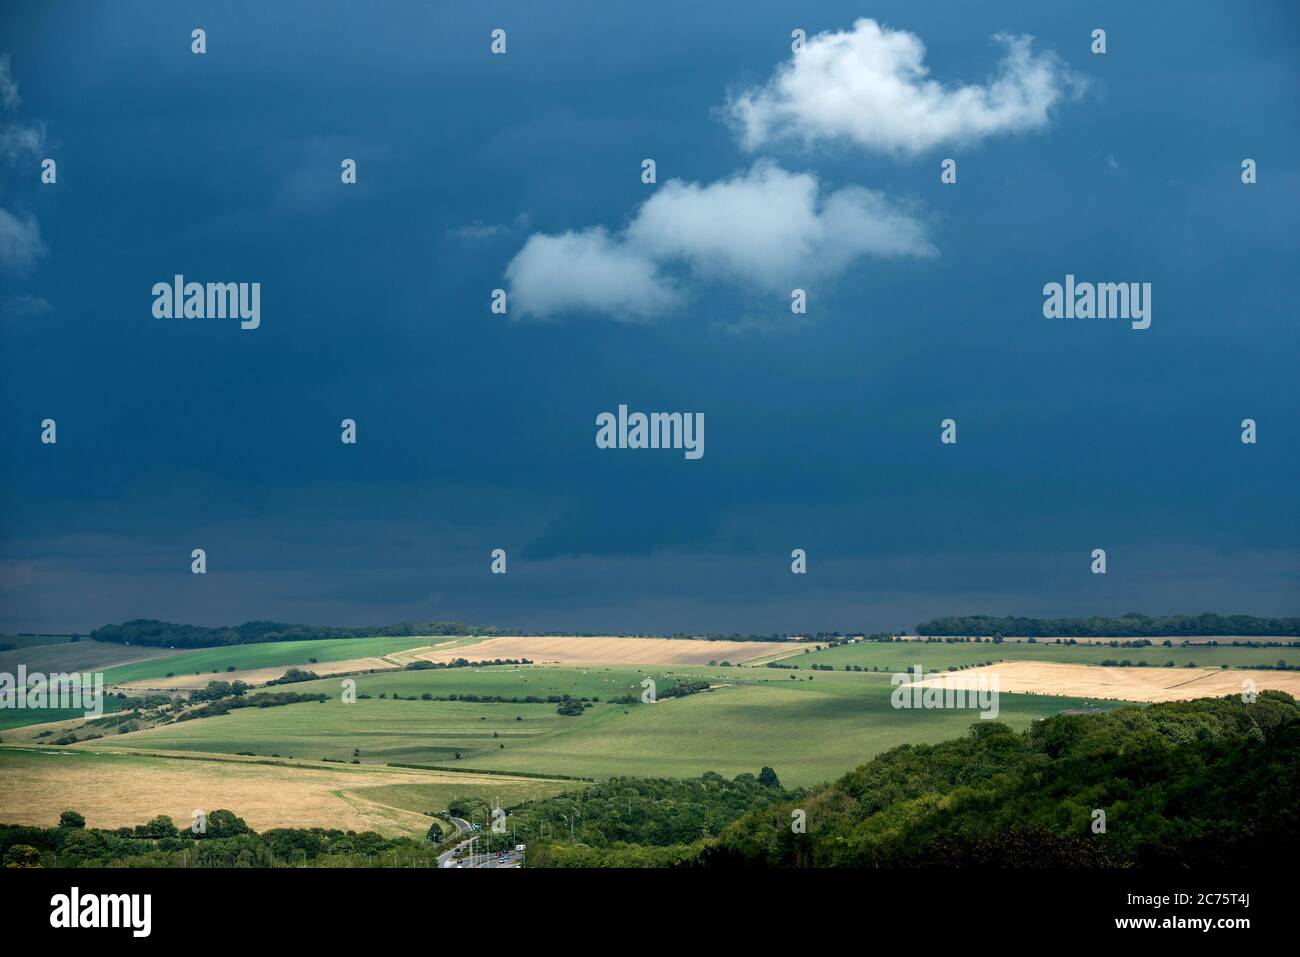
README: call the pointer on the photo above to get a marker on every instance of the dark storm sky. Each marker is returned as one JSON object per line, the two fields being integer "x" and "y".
{"x": 476, "y": 430}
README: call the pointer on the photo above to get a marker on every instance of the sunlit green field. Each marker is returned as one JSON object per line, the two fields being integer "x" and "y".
{"x": 507, "y": 680}
{"x": 809, "y": 731}
{"x": 902, "y": 655}
{"x": 810, "y": 727}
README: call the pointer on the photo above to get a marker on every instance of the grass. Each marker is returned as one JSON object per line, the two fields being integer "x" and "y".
{"x": 584, "y": 681}
{"x": 383, "y": 731}
{"x": 809, "y": 731}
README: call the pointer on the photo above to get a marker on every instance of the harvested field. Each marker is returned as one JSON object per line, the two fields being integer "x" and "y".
{"x": 255, "y": 676}
{"x": 1119, "y": 684}
{"x": 607, "y": 650}
{"x": 116, "y": 790}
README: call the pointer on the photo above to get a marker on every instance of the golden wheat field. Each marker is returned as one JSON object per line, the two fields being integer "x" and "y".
{"x": 118, "y": 790}
{"x": 1119, "y": 684}
{"x": 607, "y": 650}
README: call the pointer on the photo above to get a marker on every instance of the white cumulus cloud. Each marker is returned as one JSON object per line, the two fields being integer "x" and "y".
{"x": 764, "y": 227}
{"x": 870, "y": 85}
{"x": 587, "y": 271}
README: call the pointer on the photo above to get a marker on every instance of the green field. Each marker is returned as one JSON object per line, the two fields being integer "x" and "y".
{"x": 810, "y": 727}
{"x": 515, "y": 680}
{"x": 21, "y": 717}
{"x": 902, "y": 655}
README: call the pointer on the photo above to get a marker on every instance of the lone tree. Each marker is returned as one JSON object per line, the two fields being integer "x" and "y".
{"x": 71, "y": 819}
{"x": 767, "y": 777}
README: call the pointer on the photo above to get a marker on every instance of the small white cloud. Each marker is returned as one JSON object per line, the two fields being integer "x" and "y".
{"x": 8, "y": 87}
{"x": 586, "y": 271}
{"x": 20, "y": 241}
{"x": 763, "y": 227}
{"x": 478, "y": 229}
{"x": 17, "y": 140}
{"x": 18, "y": 308}
{"x": 870, "y": 85}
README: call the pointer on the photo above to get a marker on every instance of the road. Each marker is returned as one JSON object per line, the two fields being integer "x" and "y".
{"x": 462, "y": 827}
{"x": 513, "y": 858}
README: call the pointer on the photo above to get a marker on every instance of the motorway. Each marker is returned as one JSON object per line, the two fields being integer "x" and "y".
{"x": 513, "y": 858}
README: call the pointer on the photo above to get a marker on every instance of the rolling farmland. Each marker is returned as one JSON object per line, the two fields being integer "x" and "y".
{"x": 330, "y": 761}
{"x": 809, "y": 728}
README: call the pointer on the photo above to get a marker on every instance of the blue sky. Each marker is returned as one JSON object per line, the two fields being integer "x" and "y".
{"x": 476, "y": 431}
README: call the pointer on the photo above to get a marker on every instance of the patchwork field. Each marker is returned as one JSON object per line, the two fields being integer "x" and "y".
{"x": 135, "y": 668}
{"x": 1129, "y": 684}
{"x": 255, "y": 676}
{"x": 810, "y": 727}
{"x": 569, "y": 650}
{"x": 271, "y": 654}
{"x": 540, "y": 650}
{"x": 116, "y": 790}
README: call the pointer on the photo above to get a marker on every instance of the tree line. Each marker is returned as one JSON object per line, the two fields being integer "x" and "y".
{"x": 147, "y": 631}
